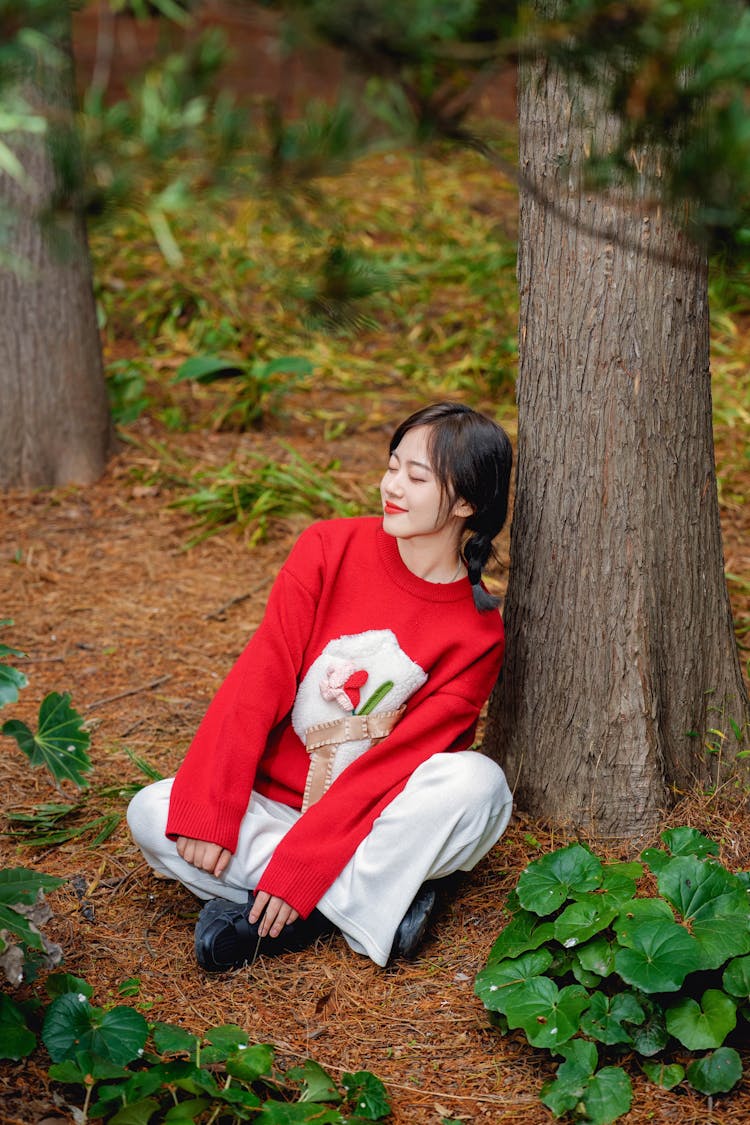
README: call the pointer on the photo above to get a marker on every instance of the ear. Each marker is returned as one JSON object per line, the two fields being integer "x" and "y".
{"x": 462, "y": 509}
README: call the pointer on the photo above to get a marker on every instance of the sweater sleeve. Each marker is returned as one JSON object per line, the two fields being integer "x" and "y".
{"x": 213, "y": 785}
{"x": 317, "y": 848}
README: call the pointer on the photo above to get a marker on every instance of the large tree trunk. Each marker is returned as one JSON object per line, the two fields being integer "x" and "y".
{"x": 54, "y": 418}
{"x": 620, "y": 648}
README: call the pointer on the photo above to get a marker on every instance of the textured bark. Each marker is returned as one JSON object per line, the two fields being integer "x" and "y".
{"x": 620, "y": 638}
{"x": 54, "y": 418}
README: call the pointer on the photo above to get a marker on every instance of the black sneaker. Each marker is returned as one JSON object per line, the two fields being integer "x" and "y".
{"x": 413, "y": 925}
{"x": 225, "y": 939}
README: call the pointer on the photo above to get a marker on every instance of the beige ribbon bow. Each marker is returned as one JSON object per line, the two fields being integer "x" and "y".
{"x": 323, "y": 740}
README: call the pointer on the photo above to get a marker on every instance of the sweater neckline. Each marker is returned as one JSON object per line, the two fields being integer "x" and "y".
{"x": 399, "y": 573}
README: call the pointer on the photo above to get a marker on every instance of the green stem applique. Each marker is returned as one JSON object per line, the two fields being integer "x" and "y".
{"x": 377, "y": 695}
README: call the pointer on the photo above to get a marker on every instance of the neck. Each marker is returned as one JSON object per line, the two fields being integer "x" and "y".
{"x": 431, "y": 562}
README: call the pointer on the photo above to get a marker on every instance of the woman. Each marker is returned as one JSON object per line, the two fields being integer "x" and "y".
{"x": 331, "y": 781}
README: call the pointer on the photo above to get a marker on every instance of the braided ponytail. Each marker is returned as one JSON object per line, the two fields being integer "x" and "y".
{"x": 476, "y": 553}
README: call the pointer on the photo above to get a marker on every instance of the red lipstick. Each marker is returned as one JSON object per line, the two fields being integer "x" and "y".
{"x": 392, "y": 509}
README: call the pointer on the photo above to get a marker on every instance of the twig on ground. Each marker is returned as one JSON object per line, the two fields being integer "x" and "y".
{"x": 130, "y": 691}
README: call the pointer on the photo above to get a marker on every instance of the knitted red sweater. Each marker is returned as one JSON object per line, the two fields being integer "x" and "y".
{"x": 342, "y": 578}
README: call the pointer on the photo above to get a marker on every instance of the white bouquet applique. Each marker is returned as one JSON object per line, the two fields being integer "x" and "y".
{"x": 353, "y": 695}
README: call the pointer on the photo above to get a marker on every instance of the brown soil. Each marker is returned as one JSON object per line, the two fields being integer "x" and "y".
{"x": 109, "y": 605}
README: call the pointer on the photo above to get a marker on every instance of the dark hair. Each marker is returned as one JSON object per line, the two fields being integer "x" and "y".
{"x": 471, "y": 456}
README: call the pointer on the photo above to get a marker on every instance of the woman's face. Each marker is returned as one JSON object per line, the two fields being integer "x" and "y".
{"x": 413, "y": 502}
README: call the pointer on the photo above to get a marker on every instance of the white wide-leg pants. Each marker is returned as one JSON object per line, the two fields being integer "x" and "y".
{"x": 452, "y": 810}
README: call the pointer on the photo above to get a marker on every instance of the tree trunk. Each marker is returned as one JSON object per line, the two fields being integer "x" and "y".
{"x": 621, "y": 655}
{"x": 54, "y": 417}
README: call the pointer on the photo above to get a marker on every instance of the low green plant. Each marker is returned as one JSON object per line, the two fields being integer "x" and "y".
{"x": 129, "y": 1071}
{"x": 595, "y": 971}
{"x": 259, "y": 388}
{"x": 273, "y": 490}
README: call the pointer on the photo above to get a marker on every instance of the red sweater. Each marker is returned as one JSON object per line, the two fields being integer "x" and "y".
{"x": 342, "y": 577}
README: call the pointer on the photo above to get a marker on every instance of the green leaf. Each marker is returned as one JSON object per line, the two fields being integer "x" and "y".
{"x": 16, "y": 1040}
{"x": 136, "y": 1113}
{"x": 72, "y": 1024}
{"x": 524, "y": 932}
{"x": 223, "y": 1041}
{"x": 547, "y": 882}
{"x": 663, "y": 1075}
{"x": 297, "y": 1113}
{"x": 662, "y": 954}
{"x": 609, "y": 1096}
{"x": 249, "y": 1063}
{"x": 704, "y": 1025}
{"x": 187, "y": 1111}
{"x": 317, "y": 1084}
{"x": 60, "y": 743}
{"x": 582, "y": 919}
{"x": 736, "y": 978}
{"x": 597, "y": 956}
{"x": 571, "y": 1081}
{"x": 605, "y": 1016}
{"x": 650, "y": 1037}
{"x": 172, "y": 1040}
{"x": 84, "y": 1067}
{"x": 207, "y": 369}
{"x": 367, "y": 1094}
{"x": 635, "y": 913}
{"x": 688, "y": 841}
{"x": 714, "y": 902}
{"x": 548, "y": 1015}
{"x": 497, "y": 983}
{"x": 655, "y": 858}
{"x": 11, "y": 680}
{"x": 21, "y": 884}
{"x": 716, "y": 1073}
{"x": 17, "y": 924}
{"x": 59, "y": 984}
{"x": 290, "y": 364}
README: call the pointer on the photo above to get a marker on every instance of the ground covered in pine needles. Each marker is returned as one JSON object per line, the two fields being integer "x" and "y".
{"x": 119, "y": 598}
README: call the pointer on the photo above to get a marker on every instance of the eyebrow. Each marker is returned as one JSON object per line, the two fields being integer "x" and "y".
{"x": 416, "y": 464}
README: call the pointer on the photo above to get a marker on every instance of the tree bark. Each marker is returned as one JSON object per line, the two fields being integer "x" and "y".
{"x": 621, "y": 654}
{"x": 54, "y": 417}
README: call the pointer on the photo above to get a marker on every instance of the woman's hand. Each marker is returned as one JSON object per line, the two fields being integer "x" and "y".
{"x": 273, "y": 913}
{"x": 204, "y": 855}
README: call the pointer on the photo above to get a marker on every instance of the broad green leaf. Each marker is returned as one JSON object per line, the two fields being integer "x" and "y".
{"x": 207, "y": 369}
{"x": 60, "y": 743}
{"x": 58, "y": 984}
{"x": 222, "y": 1041}
{"x": 716, "y": 1073}
{"x": 548, "y": 1015}
{"x": 688, "y": 841}
{"x": 15, "y": 923}
{"x": 187, "y": 1111}
{"x": 635, "y": 913}
{"x": 367, "y": 1094}
{"x": 605, "y": 1016}
{"x": 291, "y": 364}
{"x": 705, "y": 1025}
{"x": 297, "y": 1113}
{"x": 248, "y": 1064}
{"x": 20, "y": 884}
{"x": 582, "y": 919}
{"x": 628, "y": 869}
{"x": 662, "y": 1075}
{"x": 85, "y": 1066}
{"x": 714, "y": 902}
{"x": 172, "y": 1040}
{"x": 317, "y": 1084}
{"x": 11, "y": 680}
{"x": 618, "y": 886}
{"x": 16, "y": 1040}
{"x": 736, "y": 977}
{"x": 524, "y": 932}
{"x": 498, "y": 982}
{"x": 597, "y": 956}
{"x": 137, "y": 1113}
{"x": 609, "y": 1096}
{"x": 661, "y": 955}
{"x": 72, "y": 1025}
{"x": 547, "y": 882}
{"x": 655, "y": 858}
{"x": 566, "y": 1090}
{"x": 650, "y": 1037}
{"x": 240, "y": 1099}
